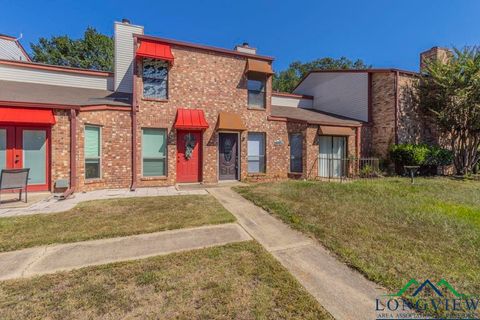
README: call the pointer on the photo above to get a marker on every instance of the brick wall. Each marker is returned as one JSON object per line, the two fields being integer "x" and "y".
{"x": 409, "y": 125}
{"x": 213, "y": 82}
{"x": 115, "y": 145}
{"x": 311, "y": 145}
{"x": 366, "y": 141}
{"x": 60, "y": 147}
{"x": 382, "y": 129}
{"x": 198, "y": 79}
{"x": 413, "y": 126}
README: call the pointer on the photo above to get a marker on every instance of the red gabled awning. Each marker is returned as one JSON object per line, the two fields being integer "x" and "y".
{"x": 155, "y": 50}
{"x": 26, "y": 115}
{"x": 190, "y": 119}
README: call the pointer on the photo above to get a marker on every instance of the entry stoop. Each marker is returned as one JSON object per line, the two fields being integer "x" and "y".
{"x": 189, "y": 186}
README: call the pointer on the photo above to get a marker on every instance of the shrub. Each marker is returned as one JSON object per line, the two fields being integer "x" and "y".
{"x": 440, "y": 157}
{"x": 409, "y": 154}
{"x": 421, "y": 155}
{"x": 369, "y": 171}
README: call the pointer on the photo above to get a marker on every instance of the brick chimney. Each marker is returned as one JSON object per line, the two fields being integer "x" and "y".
{"x": 245, "y": 48}
{"x": 434, "y": 54}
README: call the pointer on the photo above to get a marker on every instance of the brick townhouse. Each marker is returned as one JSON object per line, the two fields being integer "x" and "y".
{"x": 177, "y": 112}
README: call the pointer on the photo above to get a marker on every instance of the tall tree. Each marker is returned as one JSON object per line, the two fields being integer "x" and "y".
{"x": 93, "y": 51}
{"x": 449, "y": 91}
{"x": 286, "y": 80}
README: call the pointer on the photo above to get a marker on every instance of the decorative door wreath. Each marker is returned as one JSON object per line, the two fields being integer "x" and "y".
{"x": 189, "y": 145}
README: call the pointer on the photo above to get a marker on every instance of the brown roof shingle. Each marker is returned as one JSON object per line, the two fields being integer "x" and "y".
{"x": 313, "y": 116}
{"x": 23, "y": 92}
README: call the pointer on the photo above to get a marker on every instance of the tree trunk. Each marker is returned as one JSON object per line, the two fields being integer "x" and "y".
{"x": 465, "y": 148}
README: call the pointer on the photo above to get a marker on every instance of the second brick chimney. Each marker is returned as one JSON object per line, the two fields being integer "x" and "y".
{"x": 434, "y": 54}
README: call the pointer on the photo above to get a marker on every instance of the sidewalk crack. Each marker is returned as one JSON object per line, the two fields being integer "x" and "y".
{"x": 33, "y": 261}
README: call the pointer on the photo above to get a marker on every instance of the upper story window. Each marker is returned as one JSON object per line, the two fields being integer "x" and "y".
{"x": 256, "y": 83}
{"x": 155, "y": 79}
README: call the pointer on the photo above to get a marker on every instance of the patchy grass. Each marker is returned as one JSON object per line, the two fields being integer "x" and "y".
{"x": 236, "y": 281}
{"x": 111, "y": 218}
{"x": 388, "y": 229}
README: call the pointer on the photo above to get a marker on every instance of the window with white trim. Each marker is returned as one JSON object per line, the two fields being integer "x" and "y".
{"x": 92, "y": 152}
{"x": 155, "y": 79}
{"x": 256, "y": 83}
{"x": 154, "y": 152}
{"x": 256, "y": 152}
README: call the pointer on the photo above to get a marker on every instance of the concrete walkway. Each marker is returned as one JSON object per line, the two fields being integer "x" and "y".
{"x": 49, "y": 259}
{"x": 345, "y": 293}
{"x": 50, "y": 204}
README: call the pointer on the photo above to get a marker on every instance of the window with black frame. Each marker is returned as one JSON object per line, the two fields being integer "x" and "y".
{"x": 155, "y": 79}
{"x": 256, "y": 83}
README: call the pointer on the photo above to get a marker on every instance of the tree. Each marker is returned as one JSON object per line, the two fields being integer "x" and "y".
{"x": 449, "y": 92}
{"x": 93, "y": 51}
{"x": 286, "y": 80}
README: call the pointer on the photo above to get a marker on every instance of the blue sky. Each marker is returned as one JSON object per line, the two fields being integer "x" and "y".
{"x": 384, "y": 33}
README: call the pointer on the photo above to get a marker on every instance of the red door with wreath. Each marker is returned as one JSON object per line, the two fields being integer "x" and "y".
{"x": 189, "y": 156}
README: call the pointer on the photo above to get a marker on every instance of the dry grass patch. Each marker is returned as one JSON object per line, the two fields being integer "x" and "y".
{"x": 236, "y": 281}
{"x": 388, "y": 229}
{"x": 111, "y": 218}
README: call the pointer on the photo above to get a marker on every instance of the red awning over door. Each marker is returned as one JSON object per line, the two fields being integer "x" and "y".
{"x": 155, "y": 50}
{"x": 190, "y": 119}
{"x": 26, "y": 116}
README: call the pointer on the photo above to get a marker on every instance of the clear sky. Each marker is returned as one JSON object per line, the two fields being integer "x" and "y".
{"x": 384, "y": 33}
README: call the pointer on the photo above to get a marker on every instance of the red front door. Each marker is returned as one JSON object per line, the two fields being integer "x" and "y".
{"x": 189, "y": 156}
{"x": 27, "y": 147}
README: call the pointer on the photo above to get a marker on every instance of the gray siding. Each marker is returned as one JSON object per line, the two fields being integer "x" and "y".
{"x": 9, "y": 50}
{"x": 340, "y": 93}
{"x": 124, "y": 55}
{"x": 291, "y": 102}
{"x": 57, "y": 78}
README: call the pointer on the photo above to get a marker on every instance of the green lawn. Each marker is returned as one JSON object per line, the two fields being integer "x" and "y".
{"x": 388, "y": 229}
{"x": 111, "y": 218}
{"x": 236, "y": 281}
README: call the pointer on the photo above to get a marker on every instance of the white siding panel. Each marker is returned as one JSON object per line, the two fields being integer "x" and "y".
{"x": 124, "y": 55}
{"x": 57, "y": 78}
{"x": 291, "y": 102}
{"x": 9, "y": 50}
{"x": 340, "y": 93}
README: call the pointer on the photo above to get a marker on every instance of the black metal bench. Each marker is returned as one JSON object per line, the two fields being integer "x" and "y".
{"x": 15, "y": 179}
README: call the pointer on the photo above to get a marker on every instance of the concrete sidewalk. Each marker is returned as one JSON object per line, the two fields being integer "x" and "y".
{"x": 49, "y": 259}
{"x": 345, "y": 293}
{"x": 50, "y": 204}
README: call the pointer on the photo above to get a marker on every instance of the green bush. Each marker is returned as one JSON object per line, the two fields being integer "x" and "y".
{"x": 422, "y": 155}
{"x": 409, "y": 154}
{"x": 440, "y": 157}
